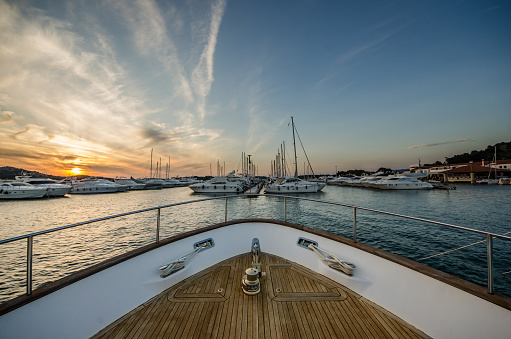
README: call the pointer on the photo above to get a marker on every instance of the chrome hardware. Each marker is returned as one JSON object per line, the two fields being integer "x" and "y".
{"x": 177, "y": 265}
{"x": 204, "y": 244}
{"x": 303, "y": 242}
{"x": 250, "y": 282}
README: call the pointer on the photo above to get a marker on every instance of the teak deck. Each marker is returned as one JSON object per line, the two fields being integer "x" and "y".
{"x": 294, "y": 303}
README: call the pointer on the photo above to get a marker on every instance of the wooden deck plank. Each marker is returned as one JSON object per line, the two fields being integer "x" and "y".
{"x": 302, "y": 321}
{"x": 301, "y": 314}
{"x": 361, "y": 316}
{"x": 200, "y": 307}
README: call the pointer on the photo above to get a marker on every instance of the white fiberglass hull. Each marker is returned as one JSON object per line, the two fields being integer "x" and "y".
{"x": 288, "y": 189}
{"x": 404, "y": 187}
{"x": 56, "y": 190}
{"x": 204, "y": 188}
{"x": 93, "y": 189}
{"x": 25, "y": 193}
{"x": 89, "y": 304}
{"x": 136, "y": 186}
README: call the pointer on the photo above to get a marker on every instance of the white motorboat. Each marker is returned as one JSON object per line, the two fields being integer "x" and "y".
{"x": 150, "y": 184}
{"x": 261, "y": 278}
{"x": 21, "y": 190}
{"x": 227, "y": 184}
{"x": 504, "y": 181}
{"x": 173, "y": 183}
{"x": 120, "y": 187}
{"x": 401, "y": 183}
{"x": 93, "y": 186}
{"x": 54, "y": 189}
{"x": 155, "y": 182}
{"x": 187, "y": 181}
{"x": 132, "y": 185}
{"x": 487, "y": 182}
{"x": 287, "y": 185}
{"x": 341, "y": 181}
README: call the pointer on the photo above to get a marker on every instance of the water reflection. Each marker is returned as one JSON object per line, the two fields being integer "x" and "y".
{"x": 61, "y": 253}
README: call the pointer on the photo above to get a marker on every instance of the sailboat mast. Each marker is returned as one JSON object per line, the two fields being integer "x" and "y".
{"x": 294, "y": 146}
{"x": 151, "y": 170}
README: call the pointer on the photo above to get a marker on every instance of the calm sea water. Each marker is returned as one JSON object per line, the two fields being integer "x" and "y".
{"x": 61, "y": 253}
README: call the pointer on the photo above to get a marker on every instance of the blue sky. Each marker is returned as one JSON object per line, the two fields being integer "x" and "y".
{"x": 98, "y": 84}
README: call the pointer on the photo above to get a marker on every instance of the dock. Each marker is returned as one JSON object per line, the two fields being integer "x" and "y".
{"x": 254, "y": 189}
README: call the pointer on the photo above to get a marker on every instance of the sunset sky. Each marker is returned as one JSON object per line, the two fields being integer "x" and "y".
{"x": 97, "y": 84}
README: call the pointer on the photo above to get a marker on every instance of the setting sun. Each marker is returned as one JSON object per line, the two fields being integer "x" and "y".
{"x": 76, "y": 171}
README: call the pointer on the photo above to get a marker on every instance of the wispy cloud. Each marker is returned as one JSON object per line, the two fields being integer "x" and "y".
{"x": 439, "y": 143}
{"x": 354, "y": 56}
{"x": 203, "y": 74}
{"x": 74, "y": 79}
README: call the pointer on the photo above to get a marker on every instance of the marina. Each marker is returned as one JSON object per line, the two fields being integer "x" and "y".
{"x": 470, "y": 205}
{"x": 371, "y": 198}
{"x": 231, "y": 235}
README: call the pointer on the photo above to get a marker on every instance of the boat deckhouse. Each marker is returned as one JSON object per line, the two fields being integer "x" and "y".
{"x": 467, "y": 172}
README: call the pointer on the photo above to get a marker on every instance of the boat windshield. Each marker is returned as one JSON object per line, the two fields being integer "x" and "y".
{"x": 42, "y": 182}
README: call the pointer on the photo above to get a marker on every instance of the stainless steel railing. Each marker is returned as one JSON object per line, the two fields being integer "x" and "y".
{"x": 30, "y": 237}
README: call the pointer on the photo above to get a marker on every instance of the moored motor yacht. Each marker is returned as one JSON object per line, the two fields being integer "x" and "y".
{"x": 187, "y": 181}
{"x": 21, "y": 190}
{"x": 401, "y": 183}
{"x": 93, "y": 186}
{"x": 487, "y": 182}
{"x": 257, "y": 277}
{"x": 227, "y": 184}
{"x": 132, "y": 185}
{"x": 287, "y": 185}
{"x": 504, "y": 181}
{"x": 120, "y": 187}
{"x": 154, "y": 182}
{"x": 170, "y": 182}
{"x": 54, "y": 189}
{"x": 341, "y": 181}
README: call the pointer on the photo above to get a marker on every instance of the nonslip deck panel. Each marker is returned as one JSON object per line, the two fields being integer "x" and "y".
{"x": 294, "y": 303}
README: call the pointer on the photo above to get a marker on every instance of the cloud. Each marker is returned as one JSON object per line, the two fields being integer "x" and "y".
{"x": 7, "y": 116}
{"x": 203, "y": 73}
{"x": 439, "y": 143}
{"x": 92, "y": 85}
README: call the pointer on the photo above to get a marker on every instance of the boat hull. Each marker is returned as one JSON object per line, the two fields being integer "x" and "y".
{"x": 23, "y": 193}
{"x": 57, "y": 191}
{"x": 88, "y": 301}
{"x": 93, "y": 190}
{"x": 289, "y": 189}
{"x": 216, "y": 189}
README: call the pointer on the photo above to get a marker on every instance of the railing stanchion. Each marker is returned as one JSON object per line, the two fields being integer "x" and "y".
{"x": 489, "y": 249}
{"x": 225, "y": 210}
{"x": 30, "y": 244}
{"x": 285, "y": 210}
{"x": 354, "y": 224}
{"x": 158, "y": 217}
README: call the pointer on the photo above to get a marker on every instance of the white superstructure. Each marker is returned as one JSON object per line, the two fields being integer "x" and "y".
{"x": 20, "y": 190}
{"x": 93, "y": 186}
{"x": 227, "y": 184}
{"x": 289, "y": 185}
{"x": 132, "y": 185}
{"x": 54, "y": 189}
{"x": 401, "y": 183}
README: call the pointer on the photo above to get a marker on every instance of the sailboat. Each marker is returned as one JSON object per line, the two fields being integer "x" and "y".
{"x": 490, "y": 181}
{"x": 286, "y": 184}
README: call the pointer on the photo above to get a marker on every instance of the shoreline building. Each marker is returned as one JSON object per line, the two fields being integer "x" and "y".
{"x": 466, "y": 172}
